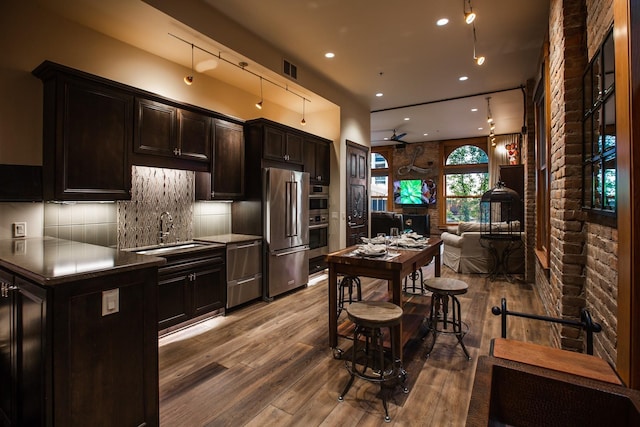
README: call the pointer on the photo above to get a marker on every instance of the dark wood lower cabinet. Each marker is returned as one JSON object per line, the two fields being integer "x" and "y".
{"x": 190, "y": 286}
{"x": 67, "y": 364}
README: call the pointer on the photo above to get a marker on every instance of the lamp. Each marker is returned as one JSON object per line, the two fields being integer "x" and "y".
{"x": 259, "y": 104}
{"x": 189, "y": 78}
{"x": 303, "y": 121}
{"x": 492, "y": 135}
{"x": 479, "y": 59}
{"x": 469, "y": 16}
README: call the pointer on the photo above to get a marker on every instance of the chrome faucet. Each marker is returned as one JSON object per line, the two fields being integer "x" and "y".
{"x": 166, "y": 224}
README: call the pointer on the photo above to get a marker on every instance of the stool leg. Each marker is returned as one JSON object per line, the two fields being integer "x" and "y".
{"x": 432, "y": 324}
{"x": 457, "y": 324}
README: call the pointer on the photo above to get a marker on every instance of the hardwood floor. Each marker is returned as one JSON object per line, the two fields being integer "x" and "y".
{"x": 269, "y": 364}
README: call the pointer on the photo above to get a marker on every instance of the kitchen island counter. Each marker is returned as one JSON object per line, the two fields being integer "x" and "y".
{"x": 50, "y": 261}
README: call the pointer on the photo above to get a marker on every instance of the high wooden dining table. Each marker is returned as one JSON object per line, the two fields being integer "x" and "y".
{"x": 392, "y": 268}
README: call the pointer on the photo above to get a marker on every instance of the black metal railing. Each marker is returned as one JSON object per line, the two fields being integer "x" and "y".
{"x": 585, "y": 323}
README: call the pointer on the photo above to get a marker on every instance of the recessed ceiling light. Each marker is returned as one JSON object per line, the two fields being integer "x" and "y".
{"x": 474, "y": 109}
{"x": 463, "y": 78}
{"x": 329, "y": 55}
{"x": 379, "y": 94}
{"x": 425, "y": 134}
{"x": 442, "y": 21}
{"x": 480, "y": 128}
{"x": 406, "y": 119}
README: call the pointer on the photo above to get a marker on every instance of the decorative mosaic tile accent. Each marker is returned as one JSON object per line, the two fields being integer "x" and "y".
{"x": 154, "y": 191}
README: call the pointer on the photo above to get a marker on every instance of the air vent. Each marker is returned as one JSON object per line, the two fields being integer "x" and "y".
{"x": 290, "y": 69}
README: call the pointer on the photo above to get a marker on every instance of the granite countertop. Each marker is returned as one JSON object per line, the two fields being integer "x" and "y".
{"x": 49, "y": 261}
{"x": 229, "y": 238}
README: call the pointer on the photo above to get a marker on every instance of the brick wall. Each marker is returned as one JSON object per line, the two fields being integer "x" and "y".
{"x": 563, "y": 294}
{"x": 601, "y": 284}
{"x": 583, "y": 259}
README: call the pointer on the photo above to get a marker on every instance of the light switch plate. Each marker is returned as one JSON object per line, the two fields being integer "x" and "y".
{"x": 19, "y": 229}
{"x": 110, "y": 301}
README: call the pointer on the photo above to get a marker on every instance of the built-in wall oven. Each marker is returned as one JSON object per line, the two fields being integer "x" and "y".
{"x": 318, "y": 221}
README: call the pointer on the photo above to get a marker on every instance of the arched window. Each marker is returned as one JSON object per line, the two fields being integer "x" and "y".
{"x": 380, "y": 181}
{"x": 465, "y": 179}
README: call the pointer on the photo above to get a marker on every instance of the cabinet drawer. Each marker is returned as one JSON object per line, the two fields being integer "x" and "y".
{"x": 244, "y": 259}
{"x": 243, "y": 290}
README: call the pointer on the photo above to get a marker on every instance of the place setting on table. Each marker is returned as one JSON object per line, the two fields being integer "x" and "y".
{"x": 382, "y": 245}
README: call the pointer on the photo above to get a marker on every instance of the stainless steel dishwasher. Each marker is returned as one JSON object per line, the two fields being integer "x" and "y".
{"x": 244, "y": 272}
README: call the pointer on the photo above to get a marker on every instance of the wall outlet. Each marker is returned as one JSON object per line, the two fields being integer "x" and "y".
{"x": 19, "y": 229}
{"x": 110, "y": 301}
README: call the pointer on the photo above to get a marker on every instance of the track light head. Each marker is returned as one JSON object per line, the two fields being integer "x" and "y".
{"x": 479, "y": 60}
{"x": 303, "y": 122}
{"x": 188, "y": 80}
{"x": 259, "y": 105}
{"x": 469, "y": 17}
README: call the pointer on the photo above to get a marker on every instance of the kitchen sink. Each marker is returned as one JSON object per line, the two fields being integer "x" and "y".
{"x": 165, "y": 249}
{"x": 516, "y": 394}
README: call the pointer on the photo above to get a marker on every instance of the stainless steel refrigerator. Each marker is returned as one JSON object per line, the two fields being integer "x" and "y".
{"x": 286, "y": 230}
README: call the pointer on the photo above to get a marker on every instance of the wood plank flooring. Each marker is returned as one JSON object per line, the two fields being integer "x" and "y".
{"x": 269, "y": 364}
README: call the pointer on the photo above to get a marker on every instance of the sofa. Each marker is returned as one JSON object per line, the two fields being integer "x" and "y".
{"x": 463, "y": 251}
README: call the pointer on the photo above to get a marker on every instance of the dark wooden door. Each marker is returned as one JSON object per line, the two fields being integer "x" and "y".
{"x": 95, "y": 134}
{"x": 30, "y": 340}
{"x": 227, "y": 176}
{"x": 208, "y": 289}
{"x": 7, "y": 392}
{"x": 194, "y": 135}
{"x": 357, "y": 192}
{"x": 155, "y": 125}
{"x": 173, "y": 297}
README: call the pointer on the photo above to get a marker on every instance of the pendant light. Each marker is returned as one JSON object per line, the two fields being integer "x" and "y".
{"x": 259, "y": 104}
{"x": 303, "y": 121}
{"x": 189, "y": 78}
{"x": 469, "y": 15}
{"x": 479, "y": 59}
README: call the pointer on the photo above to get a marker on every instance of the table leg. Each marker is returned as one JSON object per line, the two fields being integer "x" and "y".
{"x": 333, "y": 306}
{"x": 437, "y": 262}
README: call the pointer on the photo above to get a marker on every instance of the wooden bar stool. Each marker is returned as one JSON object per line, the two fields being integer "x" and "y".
{"x": 445, "y": 290}
{"x": 368, "y": 358}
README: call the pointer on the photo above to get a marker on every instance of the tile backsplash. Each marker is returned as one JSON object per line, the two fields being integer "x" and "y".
{"x": 135, "y": 223}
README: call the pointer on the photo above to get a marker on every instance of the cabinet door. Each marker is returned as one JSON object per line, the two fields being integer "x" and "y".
{"x": 32, "y": 373}
{"x": 209, "y": 288}
{"x": 316, "y": 161}
{"x": 294, "y": 149}
{"x": 194, "y": 135}
{"x": 227, "y": 174}
{"x": 274, "y": 144}
{"x": 173, "y": 300}
{"x": 7, "y": 350}
{"x": 155, "y": 125}
{"x": 87, "y": 150}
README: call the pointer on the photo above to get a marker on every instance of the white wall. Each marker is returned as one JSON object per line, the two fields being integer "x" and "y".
{"x": 32, "y": 34}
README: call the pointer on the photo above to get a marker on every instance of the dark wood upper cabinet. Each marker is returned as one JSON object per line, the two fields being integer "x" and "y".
{"x": 164, "y": 130}
{"x": 317, "y": 158}
{"x": 226, "y": 180}
{"x": 87, "y": 132}
{"x": 282, "y": 145}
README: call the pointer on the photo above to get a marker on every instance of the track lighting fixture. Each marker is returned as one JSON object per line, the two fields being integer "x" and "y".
{"x": 189, "y": 79}
{"x": 479, "y": 59}
{"x": 259, "y": 104}
{"x": 492, "y": 135}
{"x": 243, "y": 66}
{"x": 469, "y": 14}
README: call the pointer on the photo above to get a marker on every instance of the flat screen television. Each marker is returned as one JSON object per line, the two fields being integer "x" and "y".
{"x": 414, "y": 192}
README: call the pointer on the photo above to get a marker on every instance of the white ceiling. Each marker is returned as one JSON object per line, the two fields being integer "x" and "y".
{"x": 380, "y": 46}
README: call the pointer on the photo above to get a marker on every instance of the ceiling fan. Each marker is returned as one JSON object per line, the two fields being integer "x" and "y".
{"x": 398, "y": 138}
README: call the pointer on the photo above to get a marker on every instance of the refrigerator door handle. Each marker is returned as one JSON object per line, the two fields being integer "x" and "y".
{"x": 294, "y": 208}
{"x": 294, "y": 251}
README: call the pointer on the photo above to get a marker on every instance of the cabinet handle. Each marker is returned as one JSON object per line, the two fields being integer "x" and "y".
{"x": 176, "y": 151}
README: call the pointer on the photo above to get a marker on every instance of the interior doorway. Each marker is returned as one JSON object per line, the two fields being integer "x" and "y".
{"x": 357, "y": 192}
